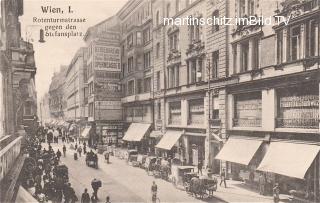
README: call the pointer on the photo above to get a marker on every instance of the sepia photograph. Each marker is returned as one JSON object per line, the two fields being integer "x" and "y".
{"x": 173, "y": 101}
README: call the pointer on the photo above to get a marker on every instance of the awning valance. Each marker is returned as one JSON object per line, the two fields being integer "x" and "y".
{"x": 169, "y": 139}
{"x": 289, "y": 159}
{"x": 239, "y": 150}
{"x": 136, "y": 132}
{"x": 85, "y": 132}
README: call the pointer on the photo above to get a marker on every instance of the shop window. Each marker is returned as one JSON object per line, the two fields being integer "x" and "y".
{"x": 196, "y": 112}
{"x": 248, "y": 109}
{"x": 175, "y": 113}
{"x": 298, "y": 107}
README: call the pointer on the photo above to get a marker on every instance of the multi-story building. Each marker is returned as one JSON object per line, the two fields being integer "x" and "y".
{"x": 74, "y": 88}
{"x": 103, "y": 81}
{"x": 137, "y": 67}
{"x": 44, "y": 110}
{"x": 18, "y": 106}
{"x": 273, "y": 108}
{"x": 57, "y": 97}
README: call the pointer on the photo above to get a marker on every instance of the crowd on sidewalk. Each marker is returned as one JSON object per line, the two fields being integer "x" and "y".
{"x": 45, "y": 176}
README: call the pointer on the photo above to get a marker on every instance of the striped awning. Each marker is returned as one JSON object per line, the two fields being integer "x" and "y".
{"x": 136, "y": 132}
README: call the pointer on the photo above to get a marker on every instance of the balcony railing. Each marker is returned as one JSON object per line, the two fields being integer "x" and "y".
{"x": 306, "y": 123}
{"x": 247, "y": 122}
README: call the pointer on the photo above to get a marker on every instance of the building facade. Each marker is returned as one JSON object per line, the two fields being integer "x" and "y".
{"x": 18, "y": 104}
{"x": 103, "y": 81}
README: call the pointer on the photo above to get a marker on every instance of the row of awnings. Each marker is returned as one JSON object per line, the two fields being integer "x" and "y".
{"x": 289, "y": 159}
{"x": 137, "y": 131}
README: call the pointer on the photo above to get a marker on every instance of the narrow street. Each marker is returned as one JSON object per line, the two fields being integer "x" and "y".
{"x": 124, "y": 183}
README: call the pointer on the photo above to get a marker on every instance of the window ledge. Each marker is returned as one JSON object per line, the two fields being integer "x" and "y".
{"x": 297, "y": 130}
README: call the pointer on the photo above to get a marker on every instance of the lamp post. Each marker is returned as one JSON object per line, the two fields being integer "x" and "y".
{"x": 208, "y": 68}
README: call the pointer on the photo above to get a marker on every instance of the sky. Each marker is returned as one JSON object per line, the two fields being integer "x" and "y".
{"x": 57, "y": 51}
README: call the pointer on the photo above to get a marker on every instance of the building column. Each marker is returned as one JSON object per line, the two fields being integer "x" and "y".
{"x": 302, "y": 42}
{"x": 250, "y": 53}
{"x": 269, "y": 106}
{"x": 238, "y": 68}
{"x": 285, "y": 53}
{"x": 207, "y": 150}
{"x": 184, "y": 112}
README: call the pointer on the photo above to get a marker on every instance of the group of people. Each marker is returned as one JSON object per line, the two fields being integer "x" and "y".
{"x": 45, "y": 178}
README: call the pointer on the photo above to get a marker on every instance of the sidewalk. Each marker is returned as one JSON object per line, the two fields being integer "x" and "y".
{"x": 237, "y": 191}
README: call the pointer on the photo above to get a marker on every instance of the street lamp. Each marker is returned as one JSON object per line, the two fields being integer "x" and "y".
{"x": 208, "y": 68}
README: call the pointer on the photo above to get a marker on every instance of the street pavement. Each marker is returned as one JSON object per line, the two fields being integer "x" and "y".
{"x": 124, "y": 183}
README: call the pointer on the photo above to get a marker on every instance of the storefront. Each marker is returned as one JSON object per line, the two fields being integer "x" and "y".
{"x": 170, "y": 145}
{"x": 295, "y": 166}
{"x": 136, "y": 137}
{"x": 243, "y": 156}
{"x": 109, "y": 133}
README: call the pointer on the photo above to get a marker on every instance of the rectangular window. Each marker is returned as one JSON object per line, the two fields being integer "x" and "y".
{"x": 139, "y": 38}
{"x": 248, "y": 110}
{"x": 255, "y": 53}
{"x": 295, "y": 43}
{"x": 173, "y": 75}
{"x": 311, "y": 36}
{"x": 131, "y": 87}
{"x": 130, "y": 41}
{"x": 158, "y": 81}
{"x": 146, "y": 35}
{"x": 178, "y": 6}
{"x": 280, "y": 47}
{"x": 235, "y": 56}
{"x": 147, "y": 60}
{"x": 174, "y": 41}
{"x": 298, "y": 107}
{"x": 215, "y": 64}
{"x": 215, "y": 17}
{"x": 196, "y": 112}
{"x": 158, "y": 50}
{"x": 139, "y": 86}
{"x": 244, "y": 56}
{"x": 147, "y": 85}
{"x": 242, "y": 8}
{"x": 200, "y": 70}
{"x": 159, "y": 110}
{"x": 193, "y": 71}
{"x": 130, "y": 64}
{"x": 175, "y": 113}
{"x": 168, "y": 10}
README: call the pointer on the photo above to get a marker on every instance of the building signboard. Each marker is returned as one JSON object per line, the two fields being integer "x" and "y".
{"x": 107, "y": 58}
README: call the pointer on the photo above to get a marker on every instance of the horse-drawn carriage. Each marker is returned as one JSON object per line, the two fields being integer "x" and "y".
{"x": 202, "y": 186}
{"x": 149, "y": 164}
{"x": 140, "y": 160}
{"x": 92, "y": 160}
{"x": 178, "y": 174}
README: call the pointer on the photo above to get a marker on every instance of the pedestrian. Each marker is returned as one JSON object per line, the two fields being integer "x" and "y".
{"x": 223, "y": 178}
{"x": 106, "y": 156}
{"x": 95, "y": 184}
{"x": 64, "y": 149}
{"x": 58, "y": 154}
{"x": 94, "y": 199}
{"x": 85, "y": 197}
{"x": 108, "y": 199}
{"x": 200, "y": 165}
{"x": 262, "y": 184}
{"x": 79, "y": 151}
{"x": 76, "y": 146}
{"x": 276, "y": 192}
{"x": 154, "y": 190}
{"x": 84, "y": 149}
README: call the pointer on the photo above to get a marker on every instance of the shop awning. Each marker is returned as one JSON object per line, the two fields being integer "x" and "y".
{"x": 136, "y": 132}
{"x": 24, "y": 196}
{"x": 289, "y": 159}
{"x": 169, "y": 139}
{"x": 239, "y": 150}
{"x": 85, "y": 132}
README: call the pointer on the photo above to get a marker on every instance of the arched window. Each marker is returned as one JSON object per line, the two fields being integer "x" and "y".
{"x": 215, "y": 21}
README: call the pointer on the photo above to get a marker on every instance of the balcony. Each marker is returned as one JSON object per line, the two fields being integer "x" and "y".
{"x": 305, "y": 123}
{"x": 247, "y": 122}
